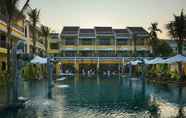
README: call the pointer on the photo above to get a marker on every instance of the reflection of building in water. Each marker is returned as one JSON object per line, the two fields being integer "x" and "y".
{"x": 169, "y": 106}
{"x": 168, "y": 110}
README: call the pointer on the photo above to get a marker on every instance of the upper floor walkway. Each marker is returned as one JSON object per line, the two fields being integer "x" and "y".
{"x": 96, "y": 60}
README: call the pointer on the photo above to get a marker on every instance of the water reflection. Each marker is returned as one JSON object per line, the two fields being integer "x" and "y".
{"x": 98, "y": 97}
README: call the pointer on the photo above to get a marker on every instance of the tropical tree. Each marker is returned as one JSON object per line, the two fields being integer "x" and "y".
{"x": 134, "y": 45}
{"x": 45, "y": 31}
{"x": 9, "y": 10}
{"x": 164, "y": 49}
{"x": 34, "y": 18}
{"x": 177, "y": 30}
{"x": 154, "y": 40}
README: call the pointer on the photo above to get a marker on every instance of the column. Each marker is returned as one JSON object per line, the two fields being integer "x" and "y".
{"x": 76, "y": 65}
{"x": 98, "y": 66}
{"x": 115, "y": 42}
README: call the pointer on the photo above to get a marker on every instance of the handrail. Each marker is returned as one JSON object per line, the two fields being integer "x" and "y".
{"x": 99, "y": 58}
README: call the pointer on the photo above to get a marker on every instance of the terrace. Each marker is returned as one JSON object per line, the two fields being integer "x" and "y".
{"x": 121, "y": 36}
{"x": 104, "y": 31}
{"x": 2, "y": 40}
{"x": 70, "y": 31}
{"x": 18, "y": 25}
{"x": 87, "y": 37}
{"x": 138, "y": 32}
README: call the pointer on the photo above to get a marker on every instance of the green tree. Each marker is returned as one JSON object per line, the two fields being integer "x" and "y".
{"x": 9, "y": 11}
{"x": 45, "y": 31}
{"x": 153, "y": 39}
{"x": 34, "y": 18}
{"x": 164, "y": 49}
{"x": 177, "y": 30}
{"x": 134, "y": 44}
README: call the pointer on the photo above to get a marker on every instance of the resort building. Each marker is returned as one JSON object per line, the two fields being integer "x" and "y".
{"x": 40, "y": 48}
{"x": 17, "y": 34}
{"x": 54, "y": 44}
{"x": 20, "y": 31}
{"x": 101, "y": 47}
{"x": 104, "y": 42}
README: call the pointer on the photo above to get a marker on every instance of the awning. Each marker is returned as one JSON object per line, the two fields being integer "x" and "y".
{"x": 39, "y": 60}
{"x": 157, "y": 60}
{"x": 105, "y": 49}
{"x": 176, "y": 59}
{"x": 135, "y": 62}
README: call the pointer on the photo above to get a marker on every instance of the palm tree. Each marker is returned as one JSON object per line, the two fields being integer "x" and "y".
{"x": 177, "y": 30}
{"x": 134, "y": 41}
{"x": 45, "y": 31}
{"x": 9, "y": 10}
{"x": 153, "y": 40}
{"x": 34, "y": 18}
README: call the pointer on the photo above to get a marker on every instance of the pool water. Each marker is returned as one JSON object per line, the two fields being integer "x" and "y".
{"x": 98, "y": 97}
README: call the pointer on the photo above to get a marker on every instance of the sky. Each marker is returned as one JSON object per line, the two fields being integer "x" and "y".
{"x": 115, "y": 13}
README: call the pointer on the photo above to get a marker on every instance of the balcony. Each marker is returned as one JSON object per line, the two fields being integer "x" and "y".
{"x": 16, "y": 26}
{"x": 86, "y": 47}
{"x": 142, "y": 48}
{"x": 69, "y": 48}
{"x": 105, "y": 47}
{"x": 2, "y": 43}
{"x": 123, "y": 47}
{"x": 17, "y": 30}
{"x": 86, "y": 41}
{"x": 70, "y": 41}
{"x": 54, "y": 46}
{"x": 3, "y": 46}
{"x": 104, "y": 42}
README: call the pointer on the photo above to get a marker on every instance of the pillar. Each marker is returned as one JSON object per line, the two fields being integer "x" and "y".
{"x": 50, "y": 78}
{"x": 98, "y": 66}
{"x": 76, "y": 67}
{"x": 58, "y": 68}
{"x": 115, "y": 46}
{"x": 119, "y": 69}
{"x": 123, "y": 65}
{"x": 130, "y": 70}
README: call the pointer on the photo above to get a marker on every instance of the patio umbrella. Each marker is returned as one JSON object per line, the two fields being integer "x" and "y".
{"x": 176, "y": 59}
{"x": 147, "y": 61}
{"x": 135, "y": 62}
{"x": 39, "y": 60}
{"x": 157, "y": 60}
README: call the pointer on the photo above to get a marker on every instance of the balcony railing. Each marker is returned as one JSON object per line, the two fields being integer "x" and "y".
{"x": 2, "y": 44}
{"x": 98, "y": 58}
{"x": 104, "y": 47}
{"x": 21, "y": 29}
{"x": 17, "y": 27}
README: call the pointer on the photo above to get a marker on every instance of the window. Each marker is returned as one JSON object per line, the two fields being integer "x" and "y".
{"x": 106, "y": 53}
{"x": 3, "y": 41}
{"x": 54, "y": 45}
{"x": 122, "y": 42}
{"x": 3, "y": 66}
{"x": 86, "y": 53}
{"x": 140, "y": 42}
{"x": 86, "y": 42}
{"x": 184, "y": 47}
{"x": 70, "y": 42}
{"x": 26, "y": 31}
{"x": 105, "y": 42}
{"x": 70, "y": 53}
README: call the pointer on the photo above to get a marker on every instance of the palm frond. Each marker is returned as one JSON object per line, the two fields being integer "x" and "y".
{"x": 34, "y": 16}
{"x": 177, "y": 27}
{"x": 45, "y": 31}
